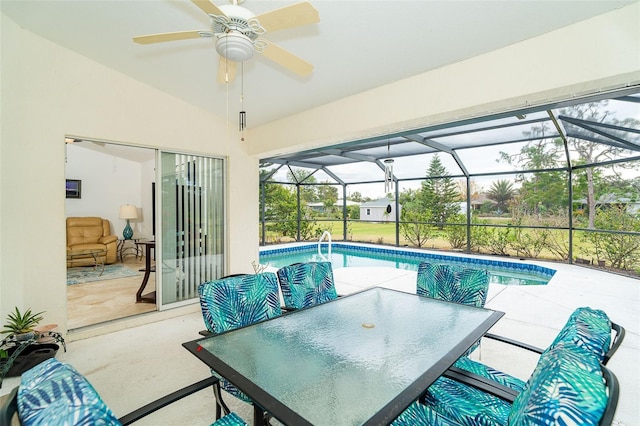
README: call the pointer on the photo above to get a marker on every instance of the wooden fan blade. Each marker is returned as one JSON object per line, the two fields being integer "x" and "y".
{"x": 207, "y": 7}
{"x": 286, "y": 59}
{"x": 159, "y": 38}
{"x": 292, "y": 16}
{"x": 226, "y": 70}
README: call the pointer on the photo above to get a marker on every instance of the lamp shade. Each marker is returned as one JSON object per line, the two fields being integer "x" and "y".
{"x": 128, "y": 212}
{"x": 235, "y": 46}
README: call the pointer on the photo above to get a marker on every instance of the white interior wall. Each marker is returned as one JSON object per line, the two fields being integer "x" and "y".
{"x": 107, "y": 183}
{"x": 49, "y": 92}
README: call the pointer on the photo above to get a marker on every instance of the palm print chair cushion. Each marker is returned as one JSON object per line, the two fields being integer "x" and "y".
{"x": 237, "y": 301}
{"x": 421, "y": 415}
{"x": 586, "y": 327}
{"x": 569, "y": 386}
{"x": 307, "y": 284}
{"x": 454, "y": 284}
{"x": 231, "y": 419}
{"x": 54, "y": 393}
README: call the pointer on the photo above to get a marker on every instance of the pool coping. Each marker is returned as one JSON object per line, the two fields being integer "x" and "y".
{"x": 519, "y": 266}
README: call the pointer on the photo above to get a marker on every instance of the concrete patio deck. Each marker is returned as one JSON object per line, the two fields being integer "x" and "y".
{"x": 136, "y": 365}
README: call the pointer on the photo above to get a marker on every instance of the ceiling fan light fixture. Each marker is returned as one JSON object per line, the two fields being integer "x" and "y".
{"x": 235, "y": 47}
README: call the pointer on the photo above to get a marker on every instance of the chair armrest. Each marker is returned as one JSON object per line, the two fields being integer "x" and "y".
{"x": 514, "y": 343}
{"x": 617, "y": 341}
{"x": 482, "y": 383}
{"x": 108, "y": 239}
{"x": 9, "y": 408}
{"x": 154, "y": 406}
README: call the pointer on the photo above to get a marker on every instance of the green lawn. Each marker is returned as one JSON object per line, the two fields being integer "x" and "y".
{"x": 385, "y": 233}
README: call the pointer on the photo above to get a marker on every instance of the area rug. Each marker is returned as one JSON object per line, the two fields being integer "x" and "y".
{"x": 85, "y": 274}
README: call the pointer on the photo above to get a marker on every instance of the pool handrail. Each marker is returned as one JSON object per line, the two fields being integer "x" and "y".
{"x": 327, "y": 234}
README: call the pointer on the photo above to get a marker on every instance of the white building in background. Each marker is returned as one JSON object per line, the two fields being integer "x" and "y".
{"x": 380, "y": 210}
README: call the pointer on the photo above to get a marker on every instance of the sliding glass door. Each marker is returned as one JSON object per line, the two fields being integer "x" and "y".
{"x": 191, "y": 238}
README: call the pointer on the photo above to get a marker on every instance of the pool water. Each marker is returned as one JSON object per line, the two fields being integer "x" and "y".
{"x": 345, "y": 255}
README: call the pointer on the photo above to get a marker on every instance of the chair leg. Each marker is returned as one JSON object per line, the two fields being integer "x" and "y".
{"x": 220, "y": 405}
{"x": 260, "y": 417}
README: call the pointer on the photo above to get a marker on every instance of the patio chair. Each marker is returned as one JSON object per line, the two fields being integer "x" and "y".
{"x": 54, "y": 393}
{"x": 587, "y": 329}
{"x": 306, "y": 284}
{"x": 568, "y": 386}
{"x": 233, "y": 302}
{"x": 453, "y": 283}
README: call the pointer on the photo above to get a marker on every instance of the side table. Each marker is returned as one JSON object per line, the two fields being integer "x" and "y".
{"x": 151, "y": 296}
{"x": 124, "y": 250}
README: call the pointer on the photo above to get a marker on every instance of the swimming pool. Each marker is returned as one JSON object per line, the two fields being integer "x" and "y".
{"x": 347, "y": 255}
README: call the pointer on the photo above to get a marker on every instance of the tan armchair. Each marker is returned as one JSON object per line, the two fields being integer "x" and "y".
{"x": 90, "y": 233}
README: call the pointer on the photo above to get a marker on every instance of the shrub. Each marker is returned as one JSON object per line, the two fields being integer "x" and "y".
{"x": 499, "y": 240}
{"x": 412, "y": 228}
{"x": 529, "y": 241}
{"x": 620, "y": 250}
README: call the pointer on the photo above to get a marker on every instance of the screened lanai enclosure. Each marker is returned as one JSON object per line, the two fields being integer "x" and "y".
{"x": 554, "y": 182}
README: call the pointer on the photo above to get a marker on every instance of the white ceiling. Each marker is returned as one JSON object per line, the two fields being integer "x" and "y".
{"x": 356, "y": 46}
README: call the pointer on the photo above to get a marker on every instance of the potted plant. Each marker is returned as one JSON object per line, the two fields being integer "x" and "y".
{"x": 21, "y": 351}
{"x": 21, "y": 325}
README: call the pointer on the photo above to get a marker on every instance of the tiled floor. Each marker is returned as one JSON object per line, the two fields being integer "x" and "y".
{"x": 100, "y": 301}
{"x": 133, "y": 366}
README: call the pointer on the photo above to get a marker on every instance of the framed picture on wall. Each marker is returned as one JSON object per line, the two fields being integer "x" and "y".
{"x": 74, "y": 188}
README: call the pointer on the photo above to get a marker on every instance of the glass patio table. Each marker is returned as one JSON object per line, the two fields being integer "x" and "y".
{"x": 358, "y": 360}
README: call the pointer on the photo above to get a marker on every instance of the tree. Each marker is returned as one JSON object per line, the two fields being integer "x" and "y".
{"x": 501, "y": 192}
{"x": 541, "y": 190}
{"x": 279, "y": 200}
{"x": 305, "y": 180}
{"x": 544, "y": 192}
{"x": 541, "y": 153}
{"x": 353, "y": 212}
{"x": 281, "y": 206}
{"x": 355, "y": 196}
{"x": 474, "y": 189}
{"x": 439, "y": 193}
{"x": 592, "y": 152}
{"x": 328, "y": 195}
{"x": 414, "y": 216}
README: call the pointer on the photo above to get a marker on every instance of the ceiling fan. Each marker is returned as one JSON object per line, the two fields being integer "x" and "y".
{"x": 238, "y": 32}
